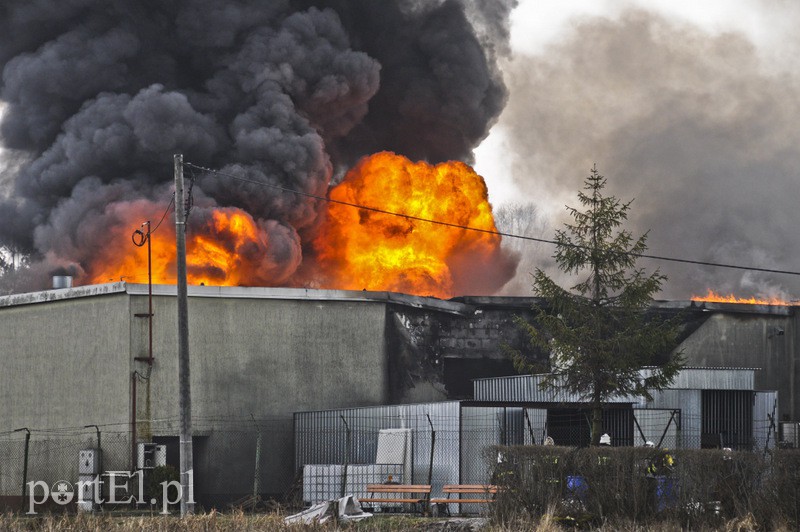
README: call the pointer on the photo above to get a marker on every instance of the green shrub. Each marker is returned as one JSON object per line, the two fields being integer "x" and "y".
{"x": 695, "y": 487}
{"x": 155, "y": 478}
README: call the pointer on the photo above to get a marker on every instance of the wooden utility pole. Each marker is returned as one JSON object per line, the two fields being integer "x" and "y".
{"x": 184, "y": 403}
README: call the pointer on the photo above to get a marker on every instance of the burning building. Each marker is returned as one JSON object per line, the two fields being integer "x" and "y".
{"x": 321, "y": 136}
{"x": 80, "y": 356}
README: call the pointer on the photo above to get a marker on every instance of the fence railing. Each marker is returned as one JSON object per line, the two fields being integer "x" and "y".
{"x": 250, "y": 459}
{"x": 234, "y": 460}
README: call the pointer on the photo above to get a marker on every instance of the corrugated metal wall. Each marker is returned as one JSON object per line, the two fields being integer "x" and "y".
{"x": 689, "y": 403}
{"x": 535, "y": 429}
{"x": 527, "y": 388}
{"x": 765, "y": 424}
{"x": 323, "y": 438}
{"x": 715, "y": 379}
{"x": 463, "y": 433}
{"x": 727, "y": 419}
{"x": 341, "y": 436}
{"x": 480, "y": 428}
{"x": 446, "y": 447}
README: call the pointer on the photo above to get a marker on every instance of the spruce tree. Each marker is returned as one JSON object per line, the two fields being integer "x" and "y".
{"x": 598, "y": 333}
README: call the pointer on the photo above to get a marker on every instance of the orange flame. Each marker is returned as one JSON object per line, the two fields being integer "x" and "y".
{"x": 354, "y": 248}
{"x": 220, "y": 250}
{"x": 363, "y": 249}
{"x": 713, "y": 297}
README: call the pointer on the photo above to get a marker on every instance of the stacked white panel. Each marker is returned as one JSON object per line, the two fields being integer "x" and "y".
{"x": 322, "y": 483}
{"x": 395, "y": 447}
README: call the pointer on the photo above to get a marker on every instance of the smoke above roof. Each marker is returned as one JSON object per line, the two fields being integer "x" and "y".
{"x": 99, "y": 94}
{"x": 699, "y": 127}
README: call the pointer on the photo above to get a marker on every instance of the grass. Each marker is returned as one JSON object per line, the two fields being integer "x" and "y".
{"x": 238, "y": 521}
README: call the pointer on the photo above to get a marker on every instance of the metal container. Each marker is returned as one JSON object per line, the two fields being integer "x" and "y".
{"x": 62, "y": 281}
{"x": 89, "y": 461}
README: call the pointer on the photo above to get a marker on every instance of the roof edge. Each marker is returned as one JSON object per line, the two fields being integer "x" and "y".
{"x": 238, "y": 292}
{"x": 60, "y": 294}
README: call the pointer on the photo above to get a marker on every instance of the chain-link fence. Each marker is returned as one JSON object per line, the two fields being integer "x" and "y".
{"x": 35, "y": 462}
{"x": 247, "y": 461}
{"x": 446, "y": 443}
{"x": 236, "y": 462}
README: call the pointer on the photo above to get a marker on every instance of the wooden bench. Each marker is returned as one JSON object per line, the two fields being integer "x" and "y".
{"x": 467, "y": 493}
{"x": 398, "y": 493}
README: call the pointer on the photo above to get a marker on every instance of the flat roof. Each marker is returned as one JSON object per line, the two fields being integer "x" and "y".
{"x": 464, "y": 305}
{"x": 236, "y": 292}
{"x": 60, "y": 294}
{"x": 731, "y": 308}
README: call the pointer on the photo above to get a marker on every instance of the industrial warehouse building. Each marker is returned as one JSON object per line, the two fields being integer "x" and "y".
{"x": 81, "y": 356}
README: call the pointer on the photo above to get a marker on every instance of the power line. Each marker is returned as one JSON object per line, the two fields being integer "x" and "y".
{"x": 479, "y": 230}
{"x": 166, "y": 211}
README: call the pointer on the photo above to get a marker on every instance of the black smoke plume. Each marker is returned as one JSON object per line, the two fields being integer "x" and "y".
{"x": 99, "y": 94}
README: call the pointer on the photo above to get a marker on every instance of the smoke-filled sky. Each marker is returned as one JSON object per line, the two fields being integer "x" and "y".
{"x": 689, "y": 107}
{"x": 99, "y": 94}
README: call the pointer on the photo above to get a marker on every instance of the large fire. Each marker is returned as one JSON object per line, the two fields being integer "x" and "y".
{"x": 354, "y": 248}
{"x": 364, "y": 249}
{"x": 219, "y": 251}
{"x": 714, "y": 297}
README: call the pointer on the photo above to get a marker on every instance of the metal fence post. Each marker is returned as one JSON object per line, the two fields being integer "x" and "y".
{"x": 257, "y": 469}
{"x": 25, "y": 463}
{"x": 433, "y": 446}
{"x": 346, "y": 455}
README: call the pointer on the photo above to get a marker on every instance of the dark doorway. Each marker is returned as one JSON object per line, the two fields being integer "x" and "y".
{"x": 727, "y": 419}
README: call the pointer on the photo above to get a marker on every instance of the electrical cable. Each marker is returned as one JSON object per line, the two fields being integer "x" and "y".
{"x": 487, "y": 231}
{"x": 139, "y": 237}
{"x": 171, "y": 202}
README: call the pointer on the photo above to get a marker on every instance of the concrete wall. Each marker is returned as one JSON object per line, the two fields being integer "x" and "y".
{"x": 263, "y": 360}
{"x": 65, "y": 363}
{"x": 269, "y": 357}
{"x": 754, "y": 341}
